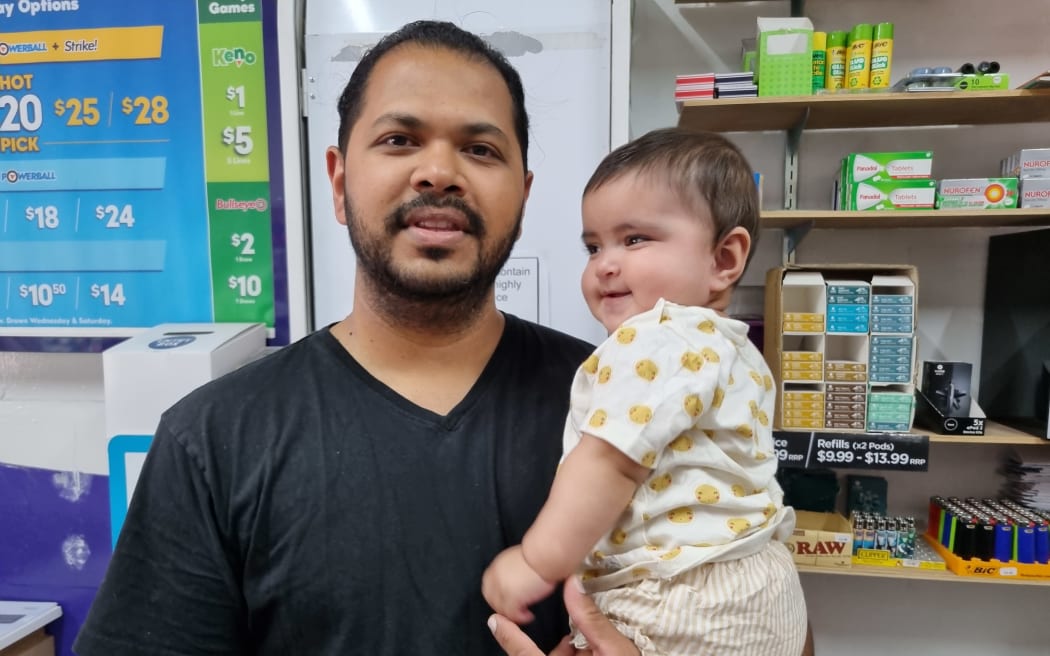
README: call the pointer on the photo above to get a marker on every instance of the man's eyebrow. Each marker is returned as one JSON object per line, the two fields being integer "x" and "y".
{"x": 408, "y": 121}
{"x": 482, "y": 128}
{"x": 414, "y": 123}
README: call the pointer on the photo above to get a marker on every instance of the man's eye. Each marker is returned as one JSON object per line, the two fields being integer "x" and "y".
{"x": 481, "y": 150}
{"x": 396, "y": 140}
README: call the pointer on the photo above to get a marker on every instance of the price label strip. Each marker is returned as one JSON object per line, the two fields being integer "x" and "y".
{"x": 138, "y": 153}
{"x": 882, "y": 451}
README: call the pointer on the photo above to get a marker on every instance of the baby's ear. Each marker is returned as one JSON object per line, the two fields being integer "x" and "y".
{"x": 731, "y": 258}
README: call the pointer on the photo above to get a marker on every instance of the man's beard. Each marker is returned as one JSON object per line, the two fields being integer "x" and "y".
{"x": 427, "y": 300}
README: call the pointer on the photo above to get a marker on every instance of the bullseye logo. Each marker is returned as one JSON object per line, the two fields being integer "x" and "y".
{"x": 995, "y": 193}
{"x": 4, "y": 48}
{"x": 12, "y": 176}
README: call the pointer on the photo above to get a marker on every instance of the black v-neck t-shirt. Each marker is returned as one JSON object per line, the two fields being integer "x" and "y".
{"x": 300, "y": 506}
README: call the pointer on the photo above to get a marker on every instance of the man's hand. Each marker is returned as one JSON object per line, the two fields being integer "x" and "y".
{"x": 510, "y": 586}
{"x": 603, "y": 637}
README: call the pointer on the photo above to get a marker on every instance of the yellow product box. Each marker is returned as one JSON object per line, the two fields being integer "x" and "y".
{"x": 804, "y": 423}
{"x": 804, "y": 356}
{"x": 804, "y": 396}
{"x": 794, "y": 415}
{"x": 803, "y": 327}
{"x": 821, "y": 539}
{"x": 790, "y": 406}
{"x": 809, "y": 317}
{"x": 793, "y": 365}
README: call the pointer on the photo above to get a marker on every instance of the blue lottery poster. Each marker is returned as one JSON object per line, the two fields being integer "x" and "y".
{"x": 140, "y": 178}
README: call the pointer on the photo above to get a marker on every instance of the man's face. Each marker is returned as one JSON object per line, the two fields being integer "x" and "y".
{"x": 431, "y": 186}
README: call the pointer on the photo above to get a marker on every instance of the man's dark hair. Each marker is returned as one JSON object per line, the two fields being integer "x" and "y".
{"x": 433, "y": 34}
{"x": 701, "y": 167}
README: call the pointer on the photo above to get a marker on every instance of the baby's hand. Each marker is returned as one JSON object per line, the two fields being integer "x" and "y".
{"x": 510, "y": 586}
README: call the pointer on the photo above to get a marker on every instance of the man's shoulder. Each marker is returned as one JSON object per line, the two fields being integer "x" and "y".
{"x": 259, "y": 383}
{"x": 548, "y": 338}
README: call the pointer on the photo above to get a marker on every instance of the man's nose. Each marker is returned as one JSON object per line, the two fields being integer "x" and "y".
{"x": 438, "y": 170}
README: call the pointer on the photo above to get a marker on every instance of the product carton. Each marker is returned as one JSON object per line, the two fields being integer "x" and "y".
{"x": 821, "y": 539}
{"x": 977, "y": 193}
{"x": 785, "y": 56}
{"x": 146, "y": 374}
{"x": 1034, "y": 192}
{"x": 893, "y": 195}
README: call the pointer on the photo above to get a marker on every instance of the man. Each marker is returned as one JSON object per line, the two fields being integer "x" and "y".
{"x": 345, "y": 494}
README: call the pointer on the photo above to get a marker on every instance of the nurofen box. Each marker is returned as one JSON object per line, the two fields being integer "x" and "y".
{"x": 893, "y": 195}
{"x": 977, "y": 193}
{"x": 1029, "y": 163}
{"x": 859, "y": 167}
{"x": 1034, "y": 192}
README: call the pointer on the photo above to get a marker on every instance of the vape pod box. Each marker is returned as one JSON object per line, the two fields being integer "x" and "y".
{"x": 947, "y": 386}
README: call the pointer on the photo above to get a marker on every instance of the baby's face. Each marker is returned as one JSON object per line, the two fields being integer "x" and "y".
{"x": 644, "y": 244}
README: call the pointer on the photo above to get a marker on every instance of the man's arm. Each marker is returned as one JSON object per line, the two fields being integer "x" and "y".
{"x": 591, "y": 490}
{"x": 169, "y": 588}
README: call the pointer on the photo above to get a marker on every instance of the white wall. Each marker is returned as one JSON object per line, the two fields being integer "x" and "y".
{"x": 865, "y": 616}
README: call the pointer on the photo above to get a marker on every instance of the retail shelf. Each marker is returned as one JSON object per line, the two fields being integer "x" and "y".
{"x": 915, "y": 574}
{"x": 867, "y": 110}
{"x": 787, "y": 219}
{"x": 994, "y": 433}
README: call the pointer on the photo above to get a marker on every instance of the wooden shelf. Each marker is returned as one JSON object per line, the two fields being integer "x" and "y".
{"x": 994, "y": 433}
{"x": 786, "y": 219}
{"x": 914, "y": 574}
{"x": 867, "y": 110}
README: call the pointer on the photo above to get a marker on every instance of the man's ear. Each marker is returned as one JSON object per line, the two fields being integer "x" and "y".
{"x": 731, "y": 258}
{"x": 524, "y": 201}
{"x": 337, "y": 177}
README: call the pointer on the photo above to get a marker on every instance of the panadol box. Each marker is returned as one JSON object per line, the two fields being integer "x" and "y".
{"x": 892, "y": 195}
{"x": 877, "y": 167}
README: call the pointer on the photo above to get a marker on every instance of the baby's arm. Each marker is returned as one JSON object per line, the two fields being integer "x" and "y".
{"x": 590, "y": 491}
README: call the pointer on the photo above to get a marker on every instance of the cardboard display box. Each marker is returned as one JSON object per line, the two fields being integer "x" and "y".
{"x": 821, "y": 539}
{"x": 800, "y": 290}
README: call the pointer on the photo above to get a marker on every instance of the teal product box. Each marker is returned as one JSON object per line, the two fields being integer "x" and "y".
{"x": 785, "y": 56}
{"x": 893, "y": 195}
{"x": 977, "y": 194}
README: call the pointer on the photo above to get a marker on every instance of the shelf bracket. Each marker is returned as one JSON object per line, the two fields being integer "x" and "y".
{"x": 793, "y": 236}
{"x": 794, "y": 137}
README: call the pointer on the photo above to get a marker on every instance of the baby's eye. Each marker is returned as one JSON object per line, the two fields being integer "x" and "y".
{"x": 590, "y": 248}
{"x": 635, "y": 239}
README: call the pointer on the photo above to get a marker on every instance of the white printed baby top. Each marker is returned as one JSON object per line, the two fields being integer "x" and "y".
{"x": 682, "y": 391}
